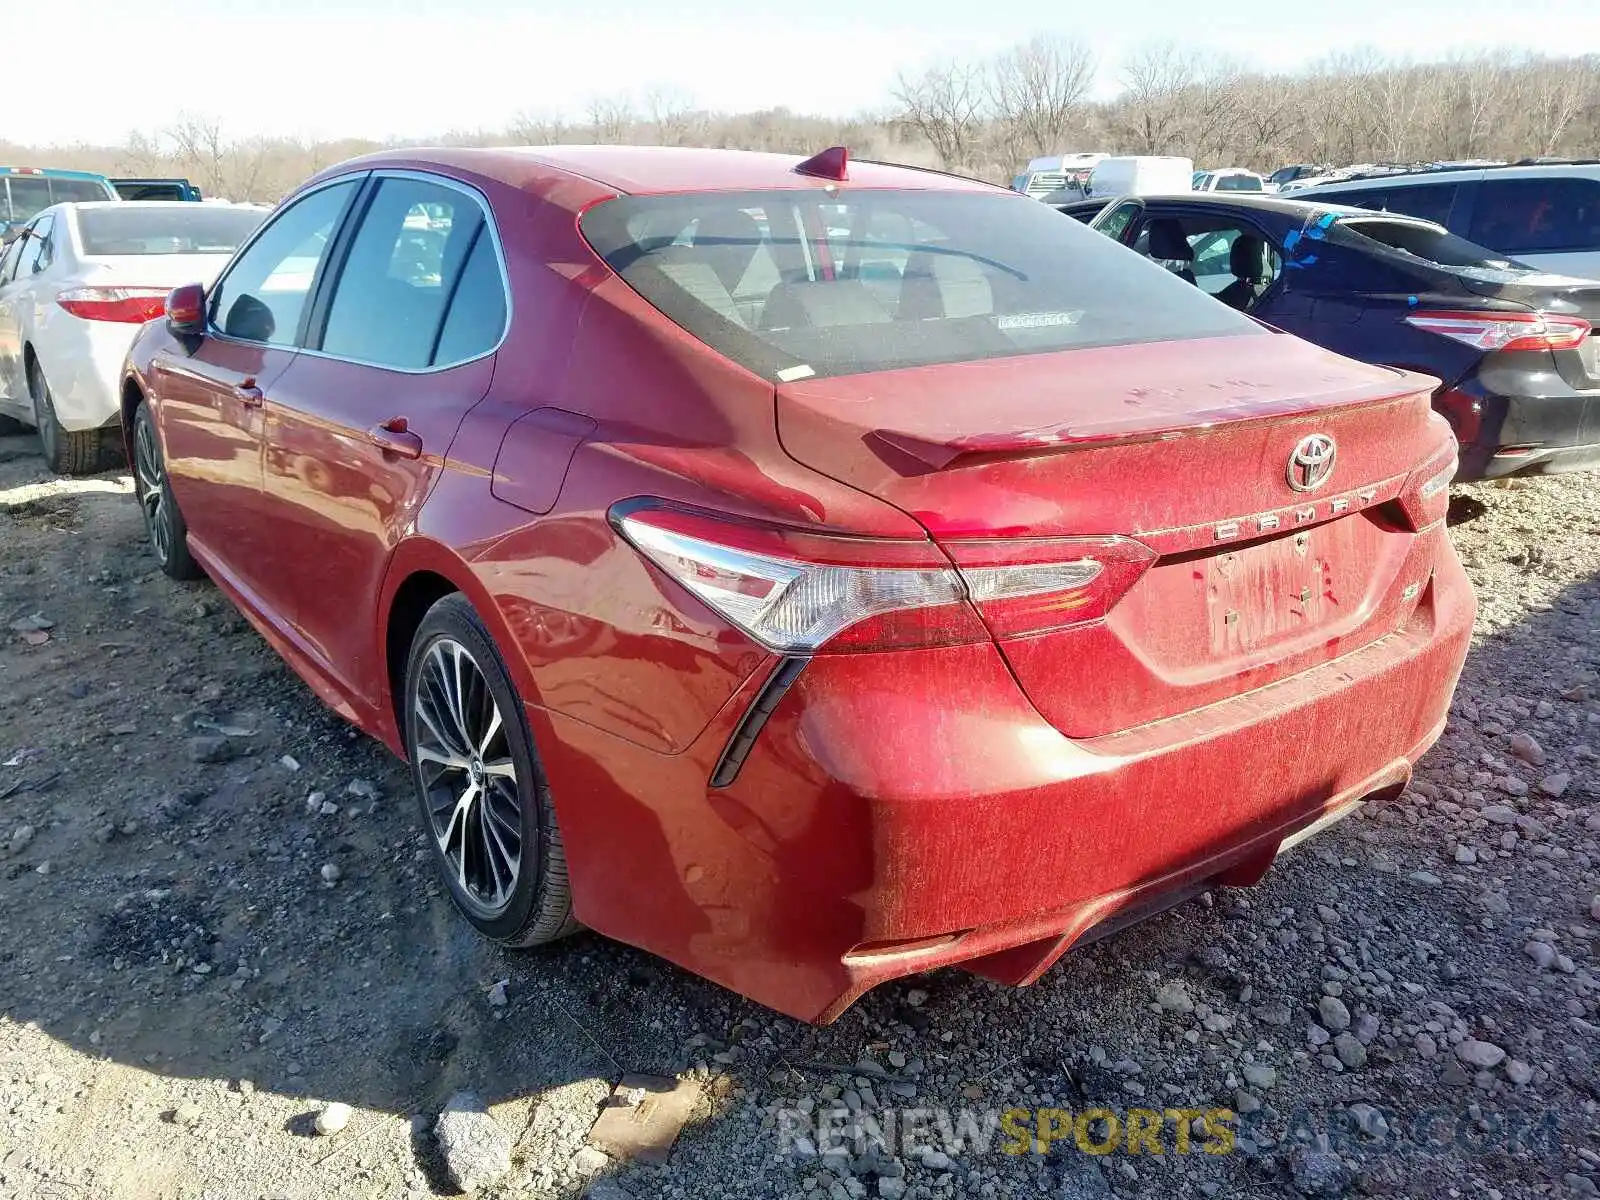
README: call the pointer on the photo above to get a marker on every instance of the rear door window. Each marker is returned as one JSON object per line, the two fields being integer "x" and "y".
{"x": 1115, "y": 223}
{"x": 794, "y": 284}
{"x": 1531, "y": 216}
{"x": 477, "y": 315}
{"x": 35, "y": 254}
{"x": 405, "y": 263}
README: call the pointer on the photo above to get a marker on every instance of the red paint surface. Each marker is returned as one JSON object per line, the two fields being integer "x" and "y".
{"x": 982, "y": 803}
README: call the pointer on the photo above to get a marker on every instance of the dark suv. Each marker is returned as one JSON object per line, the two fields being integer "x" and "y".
{"x": 1519, "y": 374}
{"x": 1545, "y": 213}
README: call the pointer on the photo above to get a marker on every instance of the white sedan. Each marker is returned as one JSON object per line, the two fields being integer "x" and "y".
{"x": 75, "y": 286}
{"x": 1228, "y": 179}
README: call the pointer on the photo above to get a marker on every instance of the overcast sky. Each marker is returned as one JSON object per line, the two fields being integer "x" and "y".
{"x": 379, "y": 68}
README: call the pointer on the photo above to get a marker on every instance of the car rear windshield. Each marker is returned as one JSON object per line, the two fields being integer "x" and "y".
{"x": 1239, "y": 183}
{"x": 189, "y": 229}
{"x": 802, "y": 283}
{"x": 1427, "y": 242}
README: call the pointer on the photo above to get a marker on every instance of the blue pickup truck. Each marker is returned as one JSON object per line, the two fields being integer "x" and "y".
{"x": 26, "y": 191}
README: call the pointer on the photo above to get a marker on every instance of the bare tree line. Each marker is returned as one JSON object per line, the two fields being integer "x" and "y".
{"x": 989, "y": 116}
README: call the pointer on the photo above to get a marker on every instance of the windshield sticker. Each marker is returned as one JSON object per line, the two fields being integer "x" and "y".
{"x": 1038, "y": 320}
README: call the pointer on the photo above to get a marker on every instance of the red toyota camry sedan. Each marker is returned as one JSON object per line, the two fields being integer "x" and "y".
{"x": 813, "y": 572}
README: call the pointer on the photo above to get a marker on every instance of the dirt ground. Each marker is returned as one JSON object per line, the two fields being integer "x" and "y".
{"x": 217, "y": 915}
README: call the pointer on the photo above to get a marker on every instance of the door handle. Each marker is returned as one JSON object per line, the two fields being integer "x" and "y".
{"x": 394, "y": 436}
{"x": 247, "y": 393}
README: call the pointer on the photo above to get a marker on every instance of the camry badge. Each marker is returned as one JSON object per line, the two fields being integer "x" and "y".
{"x": 1311, "y": 463}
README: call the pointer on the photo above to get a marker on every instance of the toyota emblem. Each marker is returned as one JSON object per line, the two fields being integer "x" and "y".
{"x": 1312, "y": 462}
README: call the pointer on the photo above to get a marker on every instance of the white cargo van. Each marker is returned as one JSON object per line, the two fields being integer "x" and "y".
{"x": 1054, "y": 172}
{"x": 1141, "y": 175}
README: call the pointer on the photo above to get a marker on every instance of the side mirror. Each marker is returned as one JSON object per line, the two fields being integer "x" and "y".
{"x": 186, "y": 309}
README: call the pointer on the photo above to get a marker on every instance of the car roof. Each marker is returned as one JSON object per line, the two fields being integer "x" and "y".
{"x": 657, "y": 169}
{"x": 53, "y": 173}
{"x": 1457, "y": 173}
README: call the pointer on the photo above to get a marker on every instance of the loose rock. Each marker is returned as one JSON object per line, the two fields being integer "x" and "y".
{"x": 1526, "y": 748}
{"x": 475, "y": 1149}
{"x": 1335, "y": 1015}
{"x": 333, "y": 1118}
{"x": 1479, "y": 1054}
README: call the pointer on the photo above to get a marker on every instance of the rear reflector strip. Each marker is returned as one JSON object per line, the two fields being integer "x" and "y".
{"x": 754, "y": 719}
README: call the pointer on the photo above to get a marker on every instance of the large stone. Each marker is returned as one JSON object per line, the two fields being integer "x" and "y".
{"x": 1174, "y": 998}
{"x": 476, "y": 1151}
{"x": 1335, "y": 1016}
{"x": 1479, "y": 1054}
{"x": 1350, "y": 1051}
{"x": 1525, "y": 747}
{"x": 1318, "y": 1172}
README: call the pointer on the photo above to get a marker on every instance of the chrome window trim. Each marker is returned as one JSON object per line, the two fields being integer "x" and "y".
{"x": 487, "y": 210}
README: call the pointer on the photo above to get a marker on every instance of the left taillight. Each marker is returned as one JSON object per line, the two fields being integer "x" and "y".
{"x": 1503, "y": 330}
{"x": 801, "y": 593}
{"x": 124, "y": 305}
{"x": 1425, "y": 499}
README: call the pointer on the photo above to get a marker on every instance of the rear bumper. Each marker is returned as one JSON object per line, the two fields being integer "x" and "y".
{"x": 82, "y": 362}
{"x": 1537, "y": 426}
{"x": 1542, "y": 460}
{"x": 906, "y": 811}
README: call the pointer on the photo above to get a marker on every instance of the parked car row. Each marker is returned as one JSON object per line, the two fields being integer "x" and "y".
{"x": 1510, "y": 344}
{"x": 26, "y": 191}
{"x": 812, "y": 571}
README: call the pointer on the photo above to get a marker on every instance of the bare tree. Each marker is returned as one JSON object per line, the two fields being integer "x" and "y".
{"x": 530, "y": 128}
{"x": 199, "y": 145}
{"x": 1155, "y": 79}
{"x": 1034, "y": 88}
{"x": 1553, "y": 94}
{"x": 610, "y": 119}
{"x": 945, "y": 104}
{"x": 670, "y": 113}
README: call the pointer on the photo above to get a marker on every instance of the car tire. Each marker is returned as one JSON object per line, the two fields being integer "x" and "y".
{"x": 481, "y": 788}
{"x": 163, "y": 522}
{"x": 78, "y": 452}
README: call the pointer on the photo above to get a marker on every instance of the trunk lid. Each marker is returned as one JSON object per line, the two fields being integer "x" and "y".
{"x": 1184, "y": 446}
{"x": 153, "y": 270}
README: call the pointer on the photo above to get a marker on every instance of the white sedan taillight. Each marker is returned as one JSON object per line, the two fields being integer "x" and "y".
{"x": 124, "y": 305}
{"x": 798, "y": 592}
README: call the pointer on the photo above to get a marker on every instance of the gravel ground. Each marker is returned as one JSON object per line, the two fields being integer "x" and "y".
{"x": 217, "y": 919}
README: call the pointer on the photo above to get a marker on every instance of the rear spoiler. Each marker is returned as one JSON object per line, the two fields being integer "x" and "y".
{"x": 1151, "y": 422}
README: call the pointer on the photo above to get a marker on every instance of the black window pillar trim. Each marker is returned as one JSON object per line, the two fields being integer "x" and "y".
{"x": 314, "y": 320}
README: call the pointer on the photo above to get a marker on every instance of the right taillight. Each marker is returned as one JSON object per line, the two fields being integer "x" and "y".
{"x": 1034, "y": 585}
{"x": 1505, "y": 331}
{"x": 800, "y": 593}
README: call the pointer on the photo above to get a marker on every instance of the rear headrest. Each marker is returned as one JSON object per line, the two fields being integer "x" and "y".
{"x": 727, "y": 240}
{"x": 943, "y": 285}
{"x": 1246, "y": 257}
{"x": 1167, "y": 240}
